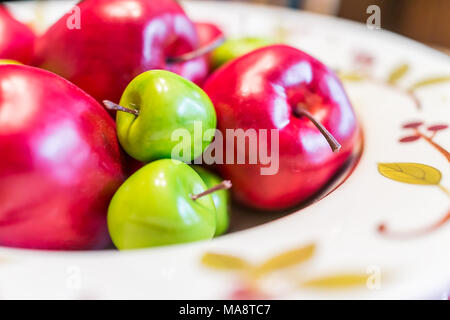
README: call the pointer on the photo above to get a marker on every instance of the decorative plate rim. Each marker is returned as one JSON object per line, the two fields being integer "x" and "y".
{"x": 191, "y": 254}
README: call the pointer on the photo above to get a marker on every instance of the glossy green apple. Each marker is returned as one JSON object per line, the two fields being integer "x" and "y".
{"x": 154, "y": 207}
{"x": 165, "y": 102}
{"x": 234, "y": 48}
{"x": 8, "y": 61}
{"x": 221, "y": 199}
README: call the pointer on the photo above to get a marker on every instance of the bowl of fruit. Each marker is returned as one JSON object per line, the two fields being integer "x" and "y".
{"x": 218, "y": 150}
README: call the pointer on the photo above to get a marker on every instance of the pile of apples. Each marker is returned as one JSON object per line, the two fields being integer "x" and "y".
{"x": 72, "y": 178}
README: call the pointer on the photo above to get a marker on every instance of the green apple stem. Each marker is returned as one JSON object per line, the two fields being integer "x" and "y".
{"x": 226, "y": 184}
{"x": 117, "y": 107}
{"x": 334, "y": 144}
{"x": 197, "y": 53}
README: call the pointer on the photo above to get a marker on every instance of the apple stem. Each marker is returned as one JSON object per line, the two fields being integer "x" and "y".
{"x": 224, "y": 185}
{"x": 334, "y": 144}
{"x": 197, "y": 53}
{"x": 114, "y": 106}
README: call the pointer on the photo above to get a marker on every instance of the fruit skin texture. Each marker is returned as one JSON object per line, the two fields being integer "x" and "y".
{"x": 154, "y": 207}
{"x": 234, "y": 48}
{"x": 60, "y": 163}
{"x": 16, "y": 39}
{"x": 166, "y": 102}
{"x": 119, "y": 40}
{"x": 263, "y": 87}
{"x": 221, "y": 199}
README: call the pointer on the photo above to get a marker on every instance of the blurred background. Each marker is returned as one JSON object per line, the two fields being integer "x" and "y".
{"x": 427, "y": 21}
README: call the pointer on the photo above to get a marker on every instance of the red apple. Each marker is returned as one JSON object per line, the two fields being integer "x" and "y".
{"x": 60, "y": 162}
{"x": 280, "y": 87}
{"x": 16, "y": 39}
{"x": 116, "y": 41}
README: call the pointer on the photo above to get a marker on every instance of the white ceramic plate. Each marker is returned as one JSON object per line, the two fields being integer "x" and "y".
{"x": 350, "y": 257}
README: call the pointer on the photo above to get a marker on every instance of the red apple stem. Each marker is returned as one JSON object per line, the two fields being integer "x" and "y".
{"x": 334, "y": 144}
{"x": 224, "y": 185}
{"x": 197, "y": 53}
{"x": 117, "y": 107}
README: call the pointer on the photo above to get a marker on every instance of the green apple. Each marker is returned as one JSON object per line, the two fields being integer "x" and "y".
{"x": 234, "y": 48}
{"x": 8, "y": 61}
{"x": 221, "y": 199}
{"x": 155, "y": 207}
{"x": 162, "y": 111}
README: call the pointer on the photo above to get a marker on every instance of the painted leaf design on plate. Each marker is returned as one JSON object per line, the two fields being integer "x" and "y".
{"x": 409, "y": 139}
{"x": 338, "y": 281}
{"x": 412, "y": 173}
{"x": 398, "y": 73}
{"x": 429, "y": 82}
{"x": 350, "y": 77}
{"x": 437, "y": 127}
{"x": 287, "y": 259}
{"x": 220, "y": 261}
{"x": 412, "y": 125}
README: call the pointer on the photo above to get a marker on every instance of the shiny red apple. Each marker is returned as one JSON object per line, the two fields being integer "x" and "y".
{"x": 60, "y": 162}
{"x": 117, "y": 40}
{"x": 16, "y": 39}
{"x": 282, "y": 88}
